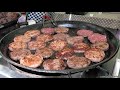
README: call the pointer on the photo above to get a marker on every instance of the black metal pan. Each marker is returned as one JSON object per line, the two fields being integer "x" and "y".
{"x": 73, "y": 26}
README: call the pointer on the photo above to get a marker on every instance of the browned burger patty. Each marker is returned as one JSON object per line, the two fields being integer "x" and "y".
{"x": 45, "y": 52}
{"x": 101, "y": 45}
{"x": 34, "y": 45}
{"x": 44, "y": 38}
{"x": 58, "y": 45}
{"x": 55, "y": 64}
{"x": 17, "y": 46}
{"x": 32, "y": 61}
{"x": 84, "y": 33}
{"x": 95, "y": 55}
{"x": 65, "y": 53}
{"x": 22, "y": 38}
{"x": 48, "y": 30}
{"x": 32, "y": 33}
{"x": 60, "y": 36}
{"x": 72, "y": 40}
{"x": 76, "y": 62}
{"x": 80, "y": 47}
{"x": 97, "y": 37}
{"x": 18, "y": 54}
{"x": 61, "y": 30}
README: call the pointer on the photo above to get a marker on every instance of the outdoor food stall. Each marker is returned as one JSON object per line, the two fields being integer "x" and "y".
{"x": 60, "y": 46}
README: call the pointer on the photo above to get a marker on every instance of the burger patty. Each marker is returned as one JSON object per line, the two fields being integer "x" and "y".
{"x": 34, "y": 45}
{"x": 101, "y": 45}
{"x": 95, "y": 55}
{"x": 84, "y": 33}
{"x": 32, "y": 33}
{"x": 55, "y": 64}
{"x": 65, "y": 53}
{"x": 80, "y": 47}
{"x": 61, "y": 30}
{"x": 44, "y": 38}
{"x": 18, "y": 54}
{"x": 57, "y": 45}
{"x": 60, "y": 36}
{"x": 76, "y": 62}
{"x": 72, "y": 40}
{"x": 22, "y": 38}
{"x": 17, "y": 46}
{"x": 32, "y": 61}
{"x": 96, "y": 37}
{"x": 45, "y": 52}
{"x": 48, "y": 30}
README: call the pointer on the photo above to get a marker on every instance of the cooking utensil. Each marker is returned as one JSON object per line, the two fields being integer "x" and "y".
{"x": 73, "y": 26}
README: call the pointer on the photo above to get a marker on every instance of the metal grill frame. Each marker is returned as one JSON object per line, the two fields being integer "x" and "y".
{"x": 104, "y": 22}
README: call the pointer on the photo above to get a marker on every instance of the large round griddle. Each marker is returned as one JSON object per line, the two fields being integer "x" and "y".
{"x": 73, "y": 26}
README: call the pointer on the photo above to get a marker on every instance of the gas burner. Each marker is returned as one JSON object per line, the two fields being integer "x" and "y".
{"x": 92, "y": 73}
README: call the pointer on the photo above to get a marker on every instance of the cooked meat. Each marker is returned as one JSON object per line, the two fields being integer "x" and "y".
{"x": 58, "y": 45}
{"x": 11, "y": 15}
{"x": 18, "y": 54}
{"x": 17, "y": 46}
{"x": 65, "y": 53}
{"x": 45, "y": 52}
{"x": 72, "y": 40}
{"x": 84, "y": 33}
{"x": 47, "y": 30}
{"x": 76, "y": 62}
{"x": 3, "y": 21}
{"x": 22, "y": 38}
{"x": 44, "y": 38}
{"x": 61, "y": 36}
{"x": 96, "y": 37}
{"x": 95, "y": 55}
{"x": 80, "y": 47}
{"x": 32, "y": 33}
{"x": 61, "y": 29}
{"x": 101, "y": 45}
{"x": 33, "y": 45}
{"x": 55, "y": 64}
{"x": 32, "y": 61}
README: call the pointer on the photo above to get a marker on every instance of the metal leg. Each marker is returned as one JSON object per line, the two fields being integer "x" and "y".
{"x": 69, "y": 75}
{"x": 109, "y": 74}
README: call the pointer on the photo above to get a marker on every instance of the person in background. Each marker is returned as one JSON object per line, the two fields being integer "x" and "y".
{"x": 34, "y": 17}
